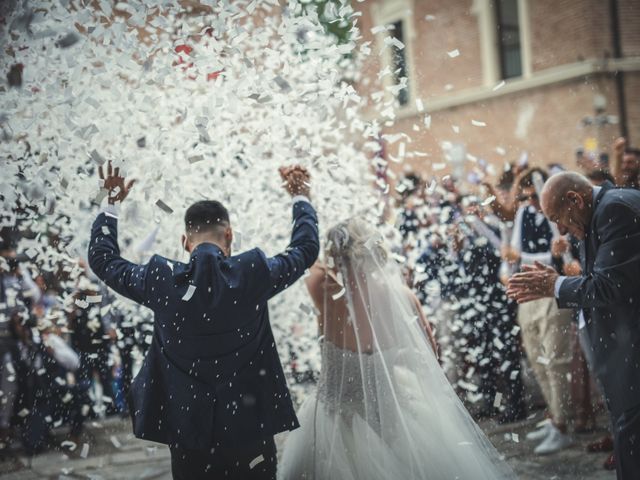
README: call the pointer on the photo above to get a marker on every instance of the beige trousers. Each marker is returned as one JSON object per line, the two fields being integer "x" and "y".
{"x": 548, "y": 339}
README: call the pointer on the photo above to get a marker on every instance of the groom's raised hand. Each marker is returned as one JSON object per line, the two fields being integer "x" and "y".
{"x": 296, "y": 180}
{"x": 115, "y": 185}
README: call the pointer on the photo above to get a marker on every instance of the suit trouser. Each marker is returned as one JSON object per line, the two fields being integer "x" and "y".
{"x": 8, "y": 391}
{"x": 256, "y": 461}
{"x": 547, "y": 340}
{"x": 626, "y": 444}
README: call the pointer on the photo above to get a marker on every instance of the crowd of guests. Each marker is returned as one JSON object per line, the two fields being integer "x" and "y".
{"x": 66, "y": 352}
{"x": 462, "y": 246}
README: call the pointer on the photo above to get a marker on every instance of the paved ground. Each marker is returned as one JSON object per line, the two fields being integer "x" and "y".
{"x": 113, "y": 453}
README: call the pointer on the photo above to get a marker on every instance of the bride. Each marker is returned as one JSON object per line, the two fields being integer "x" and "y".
{"x": 383, "y": 408}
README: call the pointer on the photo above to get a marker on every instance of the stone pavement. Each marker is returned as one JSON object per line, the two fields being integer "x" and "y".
{"x": 113, "y": 453}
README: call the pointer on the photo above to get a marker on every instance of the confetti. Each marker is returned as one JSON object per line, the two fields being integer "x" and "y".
{"x": 488, "y": 201}
{"x": 454, "y": 53}
{"x": 69, "y": 444}
{"x": 478, "y": 123}
{"x": 189, "y": 293}
{"x": 84, "y": 453}
{"x": 543, "y": 361}
{"x": 164, "y": 207}
{"x": 338, "y": 295}
{"x": 259, "y": 459}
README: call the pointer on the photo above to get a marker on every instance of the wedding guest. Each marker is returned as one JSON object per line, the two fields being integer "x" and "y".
{"x": 92, "y": 337}
{"x": 17, "y": 294}
{"x": 545, "y": 329}
{"x": 607, "y": 221}
{"x": 625, "y": 167}
{"x": 46, "y": 395}
{"x": 499, "y": 362}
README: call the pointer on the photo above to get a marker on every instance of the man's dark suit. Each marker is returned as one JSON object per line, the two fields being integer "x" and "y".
{"x": 212, "y": 378}
{"x": 608, "y": 293}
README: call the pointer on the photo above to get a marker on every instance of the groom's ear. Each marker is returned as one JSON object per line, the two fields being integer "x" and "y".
{"x": 184, "y": 241}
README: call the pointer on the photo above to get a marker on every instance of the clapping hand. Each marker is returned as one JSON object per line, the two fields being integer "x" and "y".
{"x": 117, "y": 189}
{"x": 559, "y": 247}
{"x": 533, "y": 283}
{"x": 296, "y": 180}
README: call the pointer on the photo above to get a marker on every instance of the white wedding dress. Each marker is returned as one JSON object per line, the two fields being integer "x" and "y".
{"x": 383, "y": 410}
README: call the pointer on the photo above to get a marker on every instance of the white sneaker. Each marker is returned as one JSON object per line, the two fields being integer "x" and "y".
{"x": 542, "y": 432}
{"x": 555, "y": 442}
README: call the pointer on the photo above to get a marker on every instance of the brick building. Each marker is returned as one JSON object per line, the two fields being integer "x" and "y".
{"x": 499, "y": 79}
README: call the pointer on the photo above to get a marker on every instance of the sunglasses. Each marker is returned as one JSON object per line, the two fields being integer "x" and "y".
{"x": 524, "y": 198}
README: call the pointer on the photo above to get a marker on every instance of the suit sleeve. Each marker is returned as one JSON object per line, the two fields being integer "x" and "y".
{"x": 126, "y": 278}
{"x": 302, "y": 252}
{"x": 616, "y": 269}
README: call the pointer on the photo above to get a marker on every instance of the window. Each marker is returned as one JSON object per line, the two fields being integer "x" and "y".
{"x": 399, "y": 63}
{"x": 508, "y": 24}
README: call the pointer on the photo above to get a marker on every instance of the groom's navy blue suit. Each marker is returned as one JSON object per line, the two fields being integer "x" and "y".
{"x": 212, "y": 377}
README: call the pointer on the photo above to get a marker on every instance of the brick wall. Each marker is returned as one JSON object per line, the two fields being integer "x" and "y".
{"x": 545, "y": 122}
{"x": 455, "y": 26}
{"x": 567, "y": 31}
{"x": 629, "y": 14}
{"x": 632, "y": 89}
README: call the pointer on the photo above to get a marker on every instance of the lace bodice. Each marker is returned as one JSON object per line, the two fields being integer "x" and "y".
{"x": 347, "y": 383}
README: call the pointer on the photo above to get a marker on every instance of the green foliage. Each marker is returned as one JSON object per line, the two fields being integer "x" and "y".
{"x": 329, "y": 12}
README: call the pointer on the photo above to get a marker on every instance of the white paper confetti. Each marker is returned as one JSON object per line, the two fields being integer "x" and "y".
{"x": 543, "y": 361}
{"x": 69, "y": 444}
{"x": 114, "y": 440}
{"x": 454, "y": 53}
{"x": 488, "y": 201}
{"x": 189, "y": 293}
{"x": 259, "y": 459}
{"x": 338, "y": 295}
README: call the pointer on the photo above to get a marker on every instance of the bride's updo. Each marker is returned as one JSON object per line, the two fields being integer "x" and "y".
{"x": 358, "y": 243}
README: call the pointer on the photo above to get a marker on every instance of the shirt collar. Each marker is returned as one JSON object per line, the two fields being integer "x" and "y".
{"x": 596, "y": 192}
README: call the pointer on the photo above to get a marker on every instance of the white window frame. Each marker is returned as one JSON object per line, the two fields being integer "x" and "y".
{"x": 486, "y": 12}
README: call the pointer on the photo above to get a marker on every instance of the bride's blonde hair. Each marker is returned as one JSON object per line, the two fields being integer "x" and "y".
{"x": 358, "y": 243}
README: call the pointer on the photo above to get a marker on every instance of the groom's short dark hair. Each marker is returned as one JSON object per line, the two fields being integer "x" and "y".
{"x": 204, "y": 216}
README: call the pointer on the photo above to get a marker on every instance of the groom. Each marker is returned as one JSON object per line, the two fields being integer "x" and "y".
{"x": 211, "y": 386}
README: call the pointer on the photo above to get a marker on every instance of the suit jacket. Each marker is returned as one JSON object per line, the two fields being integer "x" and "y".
{"x": 608, "y": 292}
{"x": 212, "y": 376}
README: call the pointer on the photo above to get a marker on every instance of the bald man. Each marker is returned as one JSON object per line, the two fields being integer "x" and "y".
{"x": 607, "y": 222}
